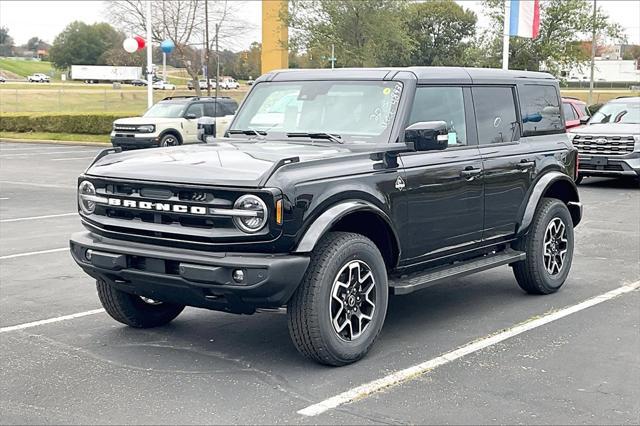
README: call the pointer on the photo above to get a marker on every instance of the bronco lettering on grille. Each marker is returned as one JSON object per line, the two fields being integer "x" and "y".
{"x": 149, "y": 205}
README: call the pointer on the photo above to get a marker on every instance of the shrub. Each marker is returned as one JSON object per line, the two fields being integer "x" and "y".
{"x": 593, "y": 108}
{"x": 93, "y": 123}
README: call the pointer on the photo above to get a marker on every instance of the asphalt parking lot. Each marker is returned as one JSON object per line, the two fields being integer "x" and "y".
{"x": 209, "y": 367}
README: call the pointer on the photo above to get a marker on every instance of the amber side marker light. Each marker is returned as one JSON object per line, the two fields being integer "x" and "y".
{"x": 279, "y": 212}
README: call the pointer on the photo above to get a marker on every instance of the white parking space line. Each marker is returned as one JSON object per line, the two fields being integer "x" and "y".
{"x": 39, "y": 185}
{"x": 73, "y": 158}
{"x": 50, "y": 320}
{"x": 4, "y": 198}
{"x": 19, "y": 219}
{"x": 22, "y": 154}
{"x": 401, "y": 376}
{"x": 32, "y": 253}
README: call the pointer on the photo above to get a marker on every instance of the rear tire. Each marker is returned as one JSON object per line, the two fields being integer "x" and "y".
{"x": 133, "y": 310}
{"x": 549, "y": 247}
{"x": 579, "y": 179}
{"x": 338, "y": 310}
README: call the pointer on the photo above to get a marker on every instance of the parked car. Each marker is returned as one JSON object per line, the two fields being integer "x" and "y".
{"x": 39, "y": 78}
{"x": 229, "y": 83}
{"x": 201, "y": 83}
{"x": 2, "y": 79}
{"x": 139, "y": 82}
{"x": 609, "y": 144}
{"x": 384, "y": 182}
{"x": 164, "y": 85}
{"x": 250, "y": 82}
{"x": 575, "y": 111}
{"x": 172, "y": 121}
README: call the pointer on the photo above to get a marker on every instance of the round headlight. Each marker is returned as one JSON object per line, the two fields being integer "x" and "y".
{"x": 257, "y": 218}
{"x": 86, "y": 191}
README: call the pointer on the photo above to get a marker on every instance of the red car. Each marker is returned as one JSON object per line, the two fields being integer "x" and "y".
{"x": 575, "y": 112}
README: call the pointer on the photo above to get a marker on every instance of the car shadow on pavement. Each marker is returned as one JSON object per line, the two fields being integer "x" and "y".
{"x": 618, "y": 183}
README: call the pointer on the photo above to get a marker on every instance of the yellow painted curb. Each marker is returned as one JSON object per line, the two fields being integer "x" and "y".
{"x": 54, "y": 142}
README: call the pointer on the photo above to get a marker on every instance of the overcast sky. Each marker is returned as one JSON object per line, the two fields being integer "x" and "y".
{"x": 45, "y": 19}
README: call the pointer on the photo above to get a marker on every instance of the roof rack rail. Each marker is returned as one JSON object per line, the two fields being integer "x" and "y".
{"x": 572, "y": 97}
{"x": 194, "y": 97}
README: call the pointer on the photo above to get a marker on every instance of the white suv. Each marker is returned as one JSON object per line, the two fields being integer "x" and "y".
{"x": 39, "y": 78}
{"x": 172, "y": 121}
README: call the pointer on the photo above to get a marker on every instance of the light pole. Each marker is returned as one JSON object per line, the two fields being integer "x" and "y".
{"x": 593, "y": 53}
{"x": 149, "y": 59}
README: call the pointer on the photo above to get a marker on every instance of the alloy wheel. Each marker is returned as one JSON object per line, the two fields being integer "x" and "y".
{"x": 353, "y": 300}
{"x": 555, "y": 246}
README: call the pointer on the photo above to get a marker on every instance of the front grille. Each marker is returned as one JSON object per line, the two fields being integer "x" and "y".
{"x": 153, "y": 225}
{"x": 604, "y": 145}
{"x": 606, "y": 167}
{"x": 125, "y": 128}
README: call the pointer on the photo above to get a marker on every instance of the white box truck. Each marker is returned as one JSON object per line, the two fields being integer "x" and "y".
{"x": 104, "y": 73}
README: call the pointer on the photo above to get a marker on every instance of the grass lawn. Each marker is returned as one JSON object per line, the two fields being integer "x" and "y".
{"x": 52, "y": 98}
{"x": 76, "y": 137}
{"x": 599, "y": 95}
{"x": 26, "y": 67}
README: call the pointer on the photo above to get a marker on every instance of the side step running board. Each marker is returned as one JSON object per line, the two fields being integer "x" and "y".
{"x": 419, "y": 280}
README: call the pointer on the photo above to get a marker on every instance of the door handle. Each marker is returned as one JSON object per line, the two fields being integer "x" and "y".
{"x": 470, "y": 173}
{"x": 525, "y": 164}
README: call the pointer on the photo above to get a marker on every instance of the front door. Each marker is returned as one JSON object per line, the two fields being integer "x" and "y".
{"x": 507, "y": 162}
{"x": 443, "y": 189}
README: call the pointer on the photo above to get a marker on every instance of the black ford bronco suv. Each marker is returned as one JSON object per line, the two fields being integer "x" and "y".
{"x": 332, "y": 190}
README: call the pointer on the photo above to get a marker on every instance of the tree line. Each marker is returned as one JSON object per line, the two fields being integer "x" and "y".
{"x": 362, "y": 32}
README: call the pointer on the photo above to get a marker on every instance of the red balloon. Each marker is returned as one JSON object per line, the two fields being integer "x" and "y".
{"x": 140, "y": 41}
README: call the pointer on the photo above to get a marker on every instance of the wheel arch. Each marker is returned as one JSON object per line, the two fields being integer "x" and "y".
{"x": 173, "y": 132}
{"x": 356, "y": 216}
{"x": 556, "y": 185}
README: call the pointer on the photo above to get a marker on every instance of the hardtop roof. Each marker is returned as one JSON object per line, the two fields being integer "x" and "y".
{"x": 422, "y": 74}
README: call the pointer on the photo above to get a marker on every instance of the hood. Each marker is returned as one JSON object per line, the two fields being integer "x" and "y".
{"x": 145, "y": 120}
{"x": 607, "y": 129}
{"x": 225, "y": 163}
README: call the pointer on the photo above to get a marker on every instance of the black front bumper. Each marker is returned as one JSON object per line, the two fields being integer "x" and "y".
{"x": 190, "y": 277}
{"x": 134, "y": 143}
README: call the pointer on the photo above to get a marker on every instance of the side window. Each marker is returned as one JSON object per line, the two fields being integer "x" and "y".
{"x": 569, "y": 113}
{"x": 540, "y": 110}
{"x": 495, "y": 114}
{"x": 441, "y": 104}
{"x": 195, "y": 109}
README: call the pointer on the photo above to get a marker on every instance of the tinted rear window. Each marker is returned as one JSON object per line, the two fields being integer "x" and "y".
{"x": 540, "y": 110}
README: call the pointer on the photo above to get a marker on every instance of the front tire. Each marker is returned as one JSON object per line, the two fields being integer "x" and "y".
{"x": 169, "y": 140}
{"x": 338, "y": 310}
{"x": 579, "y": 179}
{"x": 549, "y": 247}
{"x": 135, "y": 311}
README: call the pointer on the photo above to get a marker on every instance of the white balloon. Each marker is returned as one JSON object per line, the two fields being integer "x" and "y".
{"x": 130, "y": 44}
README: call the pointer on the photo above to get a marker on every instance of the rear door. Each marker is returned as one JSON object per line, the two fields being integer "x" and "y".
{"x": 190, "y": 132}
{"x": 443, "y": 189}
{"x": 508, "y": 165}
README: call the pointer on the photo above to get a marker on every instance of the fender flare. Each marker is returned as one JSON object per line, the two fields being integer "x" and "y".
{"x": 332, "y": 215}
{"x": 540, "y": 188}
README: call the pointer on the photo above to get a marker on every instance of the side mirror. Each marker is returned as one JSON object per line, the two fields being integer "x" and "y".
{"x": 206, "y": 128}
{"x": 585, "y": 119}
{"x": 190, "y": 116}
{"x": 427, "y": 135}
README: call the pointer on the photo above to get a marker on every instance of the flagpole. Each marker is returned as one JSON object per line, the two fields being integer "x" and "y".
{"x": 149, "y": 58}
{"x": 505, "y": 35}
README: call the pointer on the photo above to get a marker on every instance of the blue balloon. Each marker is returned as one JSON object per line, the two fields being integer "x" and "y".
{"x": 167, "y": 46}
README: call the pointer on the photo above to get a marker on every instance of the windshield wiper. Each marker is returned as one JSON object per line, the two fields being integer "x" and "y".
{"x": 247, "y": 132}
{"x": 317, "y": 135}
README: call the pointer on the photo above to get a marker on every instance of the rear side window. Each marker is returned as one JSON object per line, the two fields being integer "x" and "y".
{"x": 569, "y": 113}
{"x": 540, "y": 110}
{"x": 441, "y": 104}
{"x": 495, "y": 115}
{"x": 216, "y": 109}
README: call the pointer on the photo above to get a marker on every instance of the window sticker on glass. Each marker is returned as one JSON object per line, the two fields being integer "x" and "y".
{"x": 452, "y": 138}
